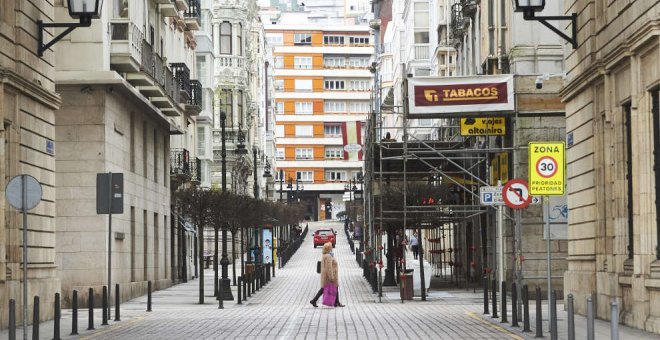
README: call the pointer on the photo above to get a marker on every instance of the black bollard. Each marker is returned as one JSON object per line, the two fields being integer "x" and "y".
{"x": 494, "y": 298}
{"x": 117, "y": 302}
{"x": 220, "y": 294}
{"x": 539, "y": 316}
{"x": 248, "y": 284}
{"x": 525, "y": 297}
{"x": 148, "y": 296}
{"x": 553, "y": 317}
{"x": 245, "y": 280}
{"x": 35, "y": 319}
{"x": 273, "y": 270}
{"x": 90, "y": 306}
{"x": 74, "y": 313}
{"x": 503, "y": 297}
{"x": 514, "y": 305}
{"x": 56, "y": 318}
{"x": 240, "y": 280}
{"x": 12, "y": 319}
{"x": 571, "y": 318}
{"x": 486, "y": 296}
{"x": 104, "y": 304}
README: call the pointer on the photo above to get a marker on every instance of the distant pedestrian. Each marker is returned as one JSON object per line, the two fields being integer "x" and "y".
{"x": 414, "y": 245}
{"x": 329, "y": 274}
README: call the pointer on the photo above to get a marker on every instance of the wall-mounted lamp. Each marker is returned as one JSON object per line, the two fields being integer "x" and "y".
{"x": 529, "y": 9}
{"x": 85, "y": 10}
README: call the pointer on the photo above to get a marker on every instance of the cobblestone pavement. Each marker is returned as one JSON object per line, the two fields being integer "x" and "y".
{"x": 281, "y": 310}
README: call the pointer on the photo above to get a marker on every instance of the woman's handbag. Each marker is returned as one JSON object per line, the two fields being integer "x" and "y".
{"x": 318, "y": 267}
{"x": 329, "y": 294}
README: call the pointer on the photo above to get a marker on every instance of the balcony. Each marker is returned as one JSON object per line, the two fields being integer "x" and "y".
{"x": 182, "y": 74}
{"x": 195, "y": 170}
{"x": 181, "y": 5}
{"x": 457, "y": 21}
{"x": 194, "y": 105}
{"x": 469, "y": 7}
{"x": 179, "y": 163}
{"x": 192, "y": 15}
{"x": 125, "y": 46}
{"x": 168, "y": 8}
{"x": 421, "y": 51}
{"x": 230, "y": 61}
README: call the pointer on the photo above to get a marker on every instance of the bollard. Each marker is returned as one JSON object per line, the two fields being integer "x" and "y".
{"x": 553, "y": 317}
{"x": 148, "y": 296}
{"x": 90, "y": 306}
{"x": 539, "y": 315}
{"x": 273, "y": 270}
{"x": 245, "y": 287}
{"x": 614, "y": 321}
{"x": 117, "y": 302}
{"x": 494, "y": 299}
{"x": 220, "y": 294}
{"x": 571, "y": 318}
{"x": 238, "y": 291}
{"x": 35, "y": 319}
{"x": 525, "y": 297}
{"x": 253, "y": 280}
{"x": 248, "y": 285}
{"x": 74, "y": 313}
{"x": 104, "y": 304}
{"x": 486, "y": 296}
{"x": 56, "y": 318}
{"x": 514, "y": 305}
{"x": 590, "y": 318}
{"x": 503, "y": 297}
{"x": 12, "y": 319}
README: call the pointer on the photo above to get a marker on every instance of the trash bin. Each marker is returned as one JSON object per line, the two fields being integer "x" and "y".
{"x": 406, "y": 285}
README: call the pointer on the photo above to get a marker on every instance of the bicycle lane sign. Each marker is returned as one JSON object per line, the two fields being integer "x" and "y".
{"x": 547, "y": 164}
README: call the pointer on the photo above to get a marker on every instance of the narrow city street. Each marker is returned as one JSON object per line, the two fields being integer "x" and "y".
{"x": 281, "y": 310}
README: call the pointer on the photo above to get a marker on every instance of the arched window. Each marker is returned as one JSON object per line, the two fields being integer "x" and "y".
{"x": 239, "y": 37}
{"x": 225, "y": 38}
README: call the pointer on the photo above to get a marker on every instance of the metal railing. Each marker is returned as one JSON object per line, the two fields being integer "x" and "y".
{"x": 421, "y": 51}
{"x": 147, "y": 58}
{"x": 194, "y": 9}
{"x": 179, "y": 162}
{"x": 196, "y": 97}
{"x": 196, "y": 170}
{"x": 182, "y": 74}
{"x": 457, "y": 20}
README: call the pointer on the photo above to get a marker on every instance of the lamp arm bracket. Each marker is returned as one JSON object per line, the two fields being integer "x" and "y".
{"x": 543, "y": 20}
{"x": 70, "y": 26}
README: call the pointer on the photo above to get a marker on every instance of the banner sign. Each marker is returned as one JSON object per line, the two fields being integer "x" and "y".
{"x": 494, "y": 126}
{"x": 448, "y": 96}
{"x": 267, "y": 251}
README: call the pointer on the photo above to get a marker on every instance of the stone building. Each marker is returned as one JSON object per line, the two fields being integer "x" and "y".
{"x": 28, "y": 102}
{"x": 128, "y": 106}
{"x": 612, "y": 111}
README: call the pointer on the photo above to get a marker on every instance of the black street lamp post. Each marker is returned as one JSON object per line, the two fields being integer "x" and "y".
{"x": 224, "y": 262}
{"x": 281, "y": 183}
{"x": 289, "y": 197}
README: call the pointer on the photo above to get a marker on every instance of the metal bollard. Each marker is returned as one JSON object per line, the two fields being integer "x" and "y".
{"x": 74, "y": 313}
{"x": 117, "y": 302}
{"x": 539, "y": 315}
{"x": 238, "y": 291}
{"x": 253, "y": 280}
{"x": 56, "y": 318}
{"x": 553, "y": 317}
{"x": 571, "y": 318}
{"x": 590, "y": 318}
{"x": 503, "y": 297}
{"x": 525, "y": 297}
{"x": 514, "y": 305}
{"x": 494, "y": 299}
{"x": 90, "y": 306}
{"x": 12, "y": 319}
{"x": 104, "y": 304}
{"x": 248, "y": 284}
{"x": 35, "y": 319}
{"x": 486, "y": 296}
{"x": 220, "y": 294}
{"x": 614, "y": 321}
{"x": 274, "y": 270}
{"x": 148, "y": 296}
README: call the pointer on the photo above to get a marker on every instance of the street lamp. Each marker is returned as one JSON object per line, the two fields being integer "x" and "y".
{"x": 289, "y": 186}
{"x": 84, "y": 10}
{"x": 267, "y": 175}
{"x": 224, "y": 262}
{"x": 529, "y": 9}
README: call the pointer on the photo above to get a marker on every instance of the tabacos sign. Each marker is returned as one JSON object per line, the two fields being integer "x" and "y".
{"x": 447, "y": 96}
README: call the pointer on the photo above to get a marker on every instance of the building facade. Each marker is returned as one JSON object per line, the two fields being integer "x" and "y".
{"x": 128, "y": 107}
{"x": 612, "y": 111}
{"x": 322, "y": 97}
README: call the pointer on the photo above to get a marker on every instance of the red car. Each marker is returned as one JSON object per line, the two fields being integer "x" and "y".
{"x": 323, "y": 236}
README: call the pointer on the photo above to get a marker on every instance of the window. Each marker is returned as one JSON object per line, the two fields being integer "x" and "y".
{"x": 239, "y": 106}
{"x": 239, "y": 39}
{"x": 358, "y": 62}
{"x": 421, "y": 14}
{"x": 333, "y": 40}
{"x": 225, "y": 38}
{"x": 226, "y": 103}
{"x": 304, "y": 108}
{"x": 304, "y": 153}
{"x": 358, "y": 85}
{"x": 302, "y": 39}
{"x": 334, "y": 107}
{"x": 359, "y": 107}
{"x": 359, "y": 40}
{"x": 303, "y": 85}
{"x": 332, "y": 130}
{"x": 280, "y": 108}
{"x": 279, "y": 84}
{"x": 334, "y": 61}
{"x": 274, "y": 39}
{"x": 279, "y": 131}
{"x": 304, "y": 130}
{"x": 305, "y": 176}
{"x": 421, "y": 37}
{"x": 334, "y": 153}
{"x": 629, "y": 176}
{"x": 655, "y": 113}
{"x": 279, "y": 154}
{"x": 335, "y": 175}
{"x": 333, "y": 84}
{"x": 302, "y": 63}
{"x": 279, "y": 62}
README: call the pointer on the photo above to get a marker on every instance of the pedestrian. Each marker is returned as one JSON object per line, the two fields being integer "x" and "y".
{"x": 414, "y": 245}
{"x": 329, "y": 273}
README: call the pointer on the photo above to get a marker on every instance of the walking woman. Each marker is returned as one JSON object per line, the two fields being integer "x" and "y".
{"x": 329, "y": 273}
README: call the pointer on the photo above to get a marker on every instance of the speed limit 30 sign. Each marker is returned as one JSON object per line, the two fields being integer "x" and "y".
{"x": 546, "y": 168}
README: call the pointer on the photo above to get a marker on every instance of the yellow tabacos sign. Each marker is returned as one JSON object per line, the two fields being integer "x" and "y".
{"x": 483, "y": 126}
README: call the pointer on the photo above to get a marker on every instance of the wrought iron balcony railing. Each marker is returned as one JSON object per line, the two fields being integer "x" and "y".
{"x": 182, "y": 74}
{"x": 196, "y": 170}
{"x": 457, "y": 20}
{"x": 194, "y": 9}
{"x": 179, "y": 162}
{"x": 196, "y": 93}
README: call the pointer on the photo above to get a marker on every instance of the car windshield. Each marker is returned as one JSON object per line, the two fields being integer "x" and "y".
{"x": 324, "y": 232}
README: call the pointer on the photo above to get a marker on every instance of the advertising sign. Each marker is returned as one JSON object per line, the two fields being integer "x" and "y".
{"x": 433, "y": 97}
{"x": 267, "y": 248}
{"x": 546, "y": 168}
{"x": 494, "y": 126}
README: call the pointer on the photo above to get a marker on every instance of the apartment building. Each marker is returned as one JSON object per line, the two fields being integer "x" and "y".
{"x": 322, "y": 96}
{"x": 129, "y": 101}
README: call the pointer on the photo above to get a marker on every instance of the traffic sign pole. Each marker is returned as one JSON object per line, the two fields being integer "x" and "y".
{"x": 25, "y": 255}
{"x": 546, "y": 205}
